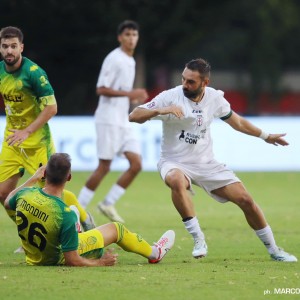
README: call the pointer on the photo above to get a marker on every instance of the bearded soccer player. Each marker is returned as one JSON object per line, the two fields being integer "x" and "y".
{"x": 187, "y": 111}
{"x": 29, "y": 105}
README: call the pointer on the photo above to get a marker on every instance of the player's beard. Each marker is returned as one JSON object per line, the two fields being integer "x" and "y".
{"x": 192, "y": 95}
{"x": 13, "y": 61}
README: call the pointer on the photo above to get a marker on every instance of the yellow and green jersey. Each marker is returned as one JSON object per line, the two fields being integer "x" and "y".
{"x": 46, "y": 226}
{"x": 25, "y": 93}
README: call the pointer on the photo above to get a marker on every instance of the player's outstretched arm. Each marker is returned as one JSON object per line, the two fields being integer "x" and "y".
{"x": 241, "y": 124}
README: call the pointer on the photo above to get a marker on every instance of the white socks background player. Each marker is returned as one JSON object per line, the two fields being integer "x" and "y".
{"x": 107, "y": 205}
{"x": 86, "y": 195}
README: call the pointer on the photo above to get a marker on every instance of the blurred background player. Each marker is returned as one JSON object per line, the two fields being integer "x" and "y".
{"x": 46, "y": 225}
{"x": 29, "y": 105}
{"x": 114, "y": 135}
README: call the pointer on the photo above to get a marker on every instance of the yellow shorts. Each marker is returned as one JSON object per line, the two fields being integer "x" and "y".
{"x": 91, "y": 244}
{"x": 14, "y": 160}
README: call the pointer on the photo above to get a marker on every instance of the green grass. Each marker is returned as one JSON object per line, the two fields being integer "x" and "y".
{"x": 237, "y": 267}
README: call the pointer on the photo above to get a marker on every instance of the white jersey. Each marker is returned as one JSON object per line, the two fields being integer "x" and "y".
{"x": 117, "y": 72}
{"x": 187, "y": 140}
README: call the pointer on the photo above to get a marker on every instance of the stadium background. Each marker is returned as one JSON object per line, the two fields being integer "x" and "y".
{"x": 253, "y": 46}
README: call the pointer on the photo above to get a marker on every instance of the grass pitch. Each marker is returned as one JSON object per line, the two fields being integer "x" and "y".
{"x": 237, "y": 265}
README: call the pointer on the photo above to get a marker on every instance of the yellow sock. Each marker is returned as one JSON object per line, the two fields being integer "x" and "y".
{"x": 70, "y": 199}
{"x": 132, "y": 242}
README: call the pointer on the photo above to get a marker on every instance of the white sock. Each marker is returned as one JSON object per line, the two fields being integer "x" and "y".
{"x": 193, "y": 227}
{"x": 115, "y": 193}
{"x": 154, "y": 253}
{"x": 78, "y": 225}
{"x": 85, "y": 196}
{"x": 266, "y": 236}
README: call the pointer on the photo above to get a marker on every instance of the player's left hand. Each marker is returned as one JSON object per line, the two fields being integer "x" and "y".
{"x": 277, "y": 139}
{"x": 17, "y": 137}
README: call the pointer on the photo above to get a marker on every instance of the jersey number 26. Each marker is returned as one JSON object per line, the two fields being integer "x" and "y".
{"x": 36, "y": 230}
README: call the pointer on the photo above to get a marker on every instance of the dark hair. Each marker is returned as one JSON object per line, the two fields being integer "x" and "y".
{"x": 11, "y": 32}
{"x": 127, "y": 24}
{"x": 58, "y": 168}
{"x": 200, "y": 65}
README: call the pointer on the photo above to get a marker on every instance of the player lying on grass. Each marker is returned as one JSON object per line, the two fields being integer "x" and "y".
{"x": 48, "y": 227}
{"x": 85, "y": 218}
{"x": 86, "y": 221}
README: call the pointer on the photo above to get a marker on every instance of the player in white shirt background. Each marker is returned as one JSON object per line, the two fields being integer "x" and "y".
{"x": 187, "y": 154}
{"x": 114, "y": 135}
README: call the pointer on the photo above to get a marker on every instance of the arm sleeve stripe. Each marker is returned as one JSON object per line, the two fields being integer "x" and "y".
{"x": 227, "y": 116}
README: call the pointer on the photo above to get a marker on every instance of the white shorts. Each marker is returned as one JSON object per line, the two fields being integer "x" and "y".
{"x": 210, "y": 176}
{"x": 115, "y": 140}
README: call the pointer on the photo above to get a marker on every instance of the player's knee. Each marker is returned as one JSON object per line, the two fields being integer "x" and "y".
{"x": 103, "y": 168}
{"x": 176, "y": 180}
{"x": 136, "y": 167}
{"x": 245, "y": 201}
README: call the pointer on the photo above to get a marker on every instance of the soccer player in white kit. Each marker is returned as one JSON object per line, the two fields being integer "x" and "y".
{"x": 114, "y": 135}
{"x": 187, "y": 154}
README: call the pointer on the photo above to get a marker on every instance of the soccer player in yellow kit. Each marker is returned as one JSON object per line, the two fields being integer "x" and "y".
{"x": 48, "y": 231}
{"x": 29, "y": 104}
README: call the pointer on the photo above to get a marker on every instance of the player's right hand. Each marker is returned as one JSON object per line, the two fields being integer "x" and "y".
{"x": 108, "y": 259}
